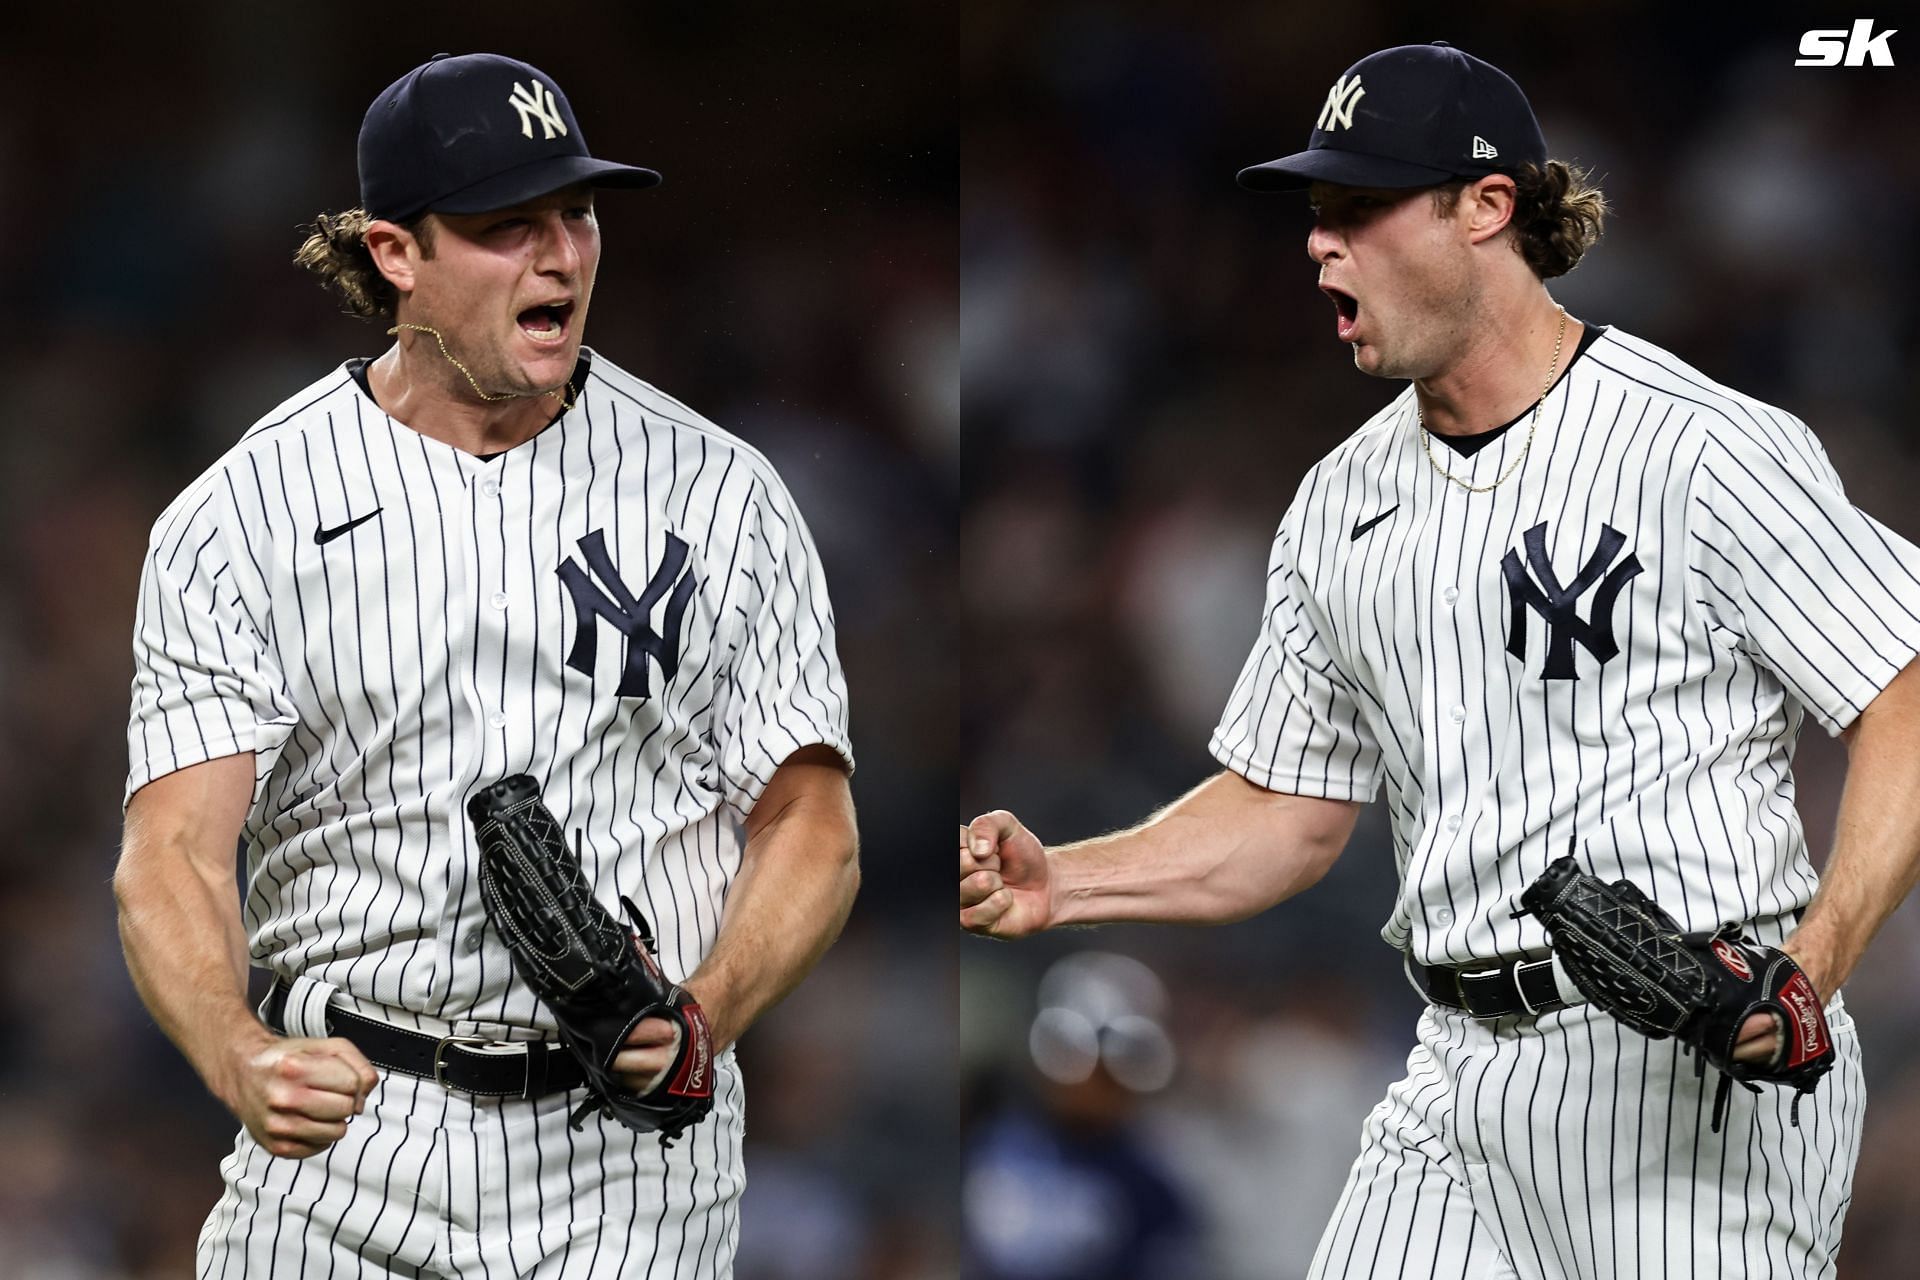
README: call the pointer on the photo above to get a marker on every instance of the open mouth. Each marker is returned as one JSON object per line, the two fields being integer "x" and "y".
{"x": 1347, "y": 309}
{"x": 546, "y": 323}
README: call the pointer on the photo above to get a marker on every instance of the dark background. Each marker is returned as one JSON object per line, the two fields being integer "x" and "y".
{"x": 1148, "y": 372}
{"x": 794, "y": 280}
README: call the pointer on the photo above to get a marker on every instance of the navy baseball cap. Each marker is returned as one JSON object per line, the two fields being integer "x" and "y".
{"x": 1412, "y": 116}
{"x": 472, "y": 133}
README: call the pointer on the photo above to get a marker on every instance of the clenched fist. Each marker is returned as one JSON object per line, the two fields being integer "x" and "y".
{"x": 1005, "y": 886}
{"x": 296, "y": 1095}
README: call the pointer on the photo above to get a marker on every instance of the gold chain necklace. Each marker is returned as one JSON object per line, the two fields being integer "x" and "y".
{"x": 1426, "y": 437}
{"x": 566, "y": 401}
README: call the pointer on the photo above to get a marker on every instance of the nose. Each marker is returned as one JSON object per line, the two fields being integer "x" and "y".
{"x": 559, "y": 255}
{"x": 1323, "y": 246}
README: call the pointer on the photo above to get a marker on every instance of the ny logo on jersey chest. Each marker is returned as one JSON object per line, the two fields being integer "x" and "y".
{"x": 1557, "y": 604}
{"x": 633, "y": 618}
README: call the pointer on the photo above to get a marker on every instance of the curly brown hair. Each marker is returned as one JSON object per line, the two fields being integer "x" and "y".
{"x": 336, "y": 250}
{"x": 1558, "y": 214}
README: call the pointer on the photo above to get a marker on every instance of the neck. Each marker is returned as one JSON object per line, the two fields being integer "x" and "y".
{"x": 1503, "y": 372}
{"x": 419, "y": 388}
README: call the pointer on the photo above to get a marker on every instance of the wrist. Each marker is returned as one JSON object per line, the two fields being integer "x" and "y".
{"x": 226, "y": 1066}
{"x": 1065, "y": 894}
{"x": 1822, "y": 968}
{"x": 714, "y": 1007}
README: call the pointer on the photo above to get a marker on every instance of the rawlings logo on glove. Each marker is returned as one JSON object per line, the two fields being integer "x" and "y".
{"x": 599, "y": 980}
{"x": 1631, "y": 959}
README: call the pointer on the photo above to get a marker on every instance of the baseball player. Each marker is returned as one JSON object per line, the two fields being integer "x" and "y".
{"x": 487, "y": 552}
{"x": 1562, "y": 592}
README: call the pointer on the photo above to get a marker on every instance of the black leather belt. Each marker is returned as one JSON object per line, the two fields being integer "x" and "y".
{"x": 471, "y": 1064}
{"x": 1495, "y": 990}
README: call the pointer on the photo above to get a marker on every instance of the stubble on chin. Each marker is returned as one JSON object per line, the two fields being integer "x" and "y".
{"x": 517, "y": 378}
{"x": 498, "y": 374}
{"x": 1375, "y": 363}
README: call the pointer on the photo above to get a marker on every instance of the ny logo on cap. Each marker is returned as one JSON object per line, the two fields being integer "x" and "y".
{"x": 1341, "y": 100}
{"x": 534, "y": 101}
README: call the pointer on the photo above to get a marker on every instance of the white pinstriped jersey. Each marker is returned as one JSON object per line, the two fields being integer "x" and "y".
{"x": 1615, "y": 646}
{"x": 627, "y": 606}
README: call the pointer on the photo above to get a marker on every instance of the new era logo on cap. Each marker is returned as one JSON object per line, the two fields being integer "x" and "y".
{"x": 1412, "y": 116}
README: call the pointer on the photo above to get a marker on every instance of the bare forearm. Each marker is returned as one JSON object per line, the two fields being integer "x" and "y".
{"x": 180, "y": 914}
{"x": 796, "y": 885}
{"x": 1876, "y": 847}
{"x": 186, "y": 951}
{"x": 1224, "y": 851}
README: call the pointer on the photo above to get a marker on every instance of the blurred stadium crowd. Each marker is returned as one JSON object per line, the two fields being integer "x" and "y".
{"x": 794, "y": 280}
{"x": 1147, "y": 374}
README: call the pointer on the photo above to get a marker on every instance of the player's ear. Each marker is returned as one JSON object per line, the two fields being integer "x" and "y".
{"x": 396, "y": 252}
{"x": 1487, "y": 205}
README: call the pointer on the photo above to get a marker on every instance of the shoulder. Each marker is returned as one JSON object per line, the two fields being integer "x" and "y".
{"x": 640, "y": 411}
{"x": 1359, "y": 451}
{"x": 1707, "y": 416}
{"x": 312, "y": 405}
{"x": 209, "y": 501}
{"x": 1374, "y": 434}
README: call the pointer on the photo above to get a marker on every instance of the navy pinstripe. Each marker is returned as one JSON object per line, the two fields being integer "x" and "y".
{"x": 381, "y": 676}
{"x": 1383, "y": 658}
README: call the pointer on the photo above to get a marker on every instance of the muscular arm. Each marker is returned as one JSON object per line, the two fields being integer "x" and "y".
{"x": 186, "y": 949}
{"x": 797, "y": 880}
{"x": 180, "y": 916}
{"x": 1224, "y": 851}
{"x": 798, "y": 876}
{"x": 1876, "y": 844}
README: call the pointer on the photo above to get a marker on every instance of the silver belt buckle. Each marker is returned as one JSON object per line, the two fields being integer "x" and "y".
{"x": 440, "y": 1054}
{"x": 1464, "y": 999}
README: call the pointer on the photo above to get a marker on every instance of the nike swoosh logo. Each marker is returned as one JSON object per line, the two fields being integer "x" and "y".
{"x": 322, "y": 537}
{"x": 1359, "y": 530}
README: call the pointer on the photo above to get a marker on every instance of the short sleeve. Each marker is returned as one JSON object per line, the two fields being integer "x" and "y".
{"x": 785, "y": 690}
{"x": 205, "y": 682}
{"x": 1293, "y": 723}
{"x": 1812, "y": 588}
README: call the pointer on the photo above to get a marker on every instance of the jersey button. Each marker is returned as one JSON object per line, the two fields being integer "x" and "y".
{"x": 1453, "y": 822}
{"x": 499, "y": 600}
{"x": 498, "y": 719}
{"x": 1443, "y": 916}
{"x": 471, "y": 943}
{"x": 1450, "y": 594}
{"x": 490, "y": 487}
{"x": 1459, "y": 715}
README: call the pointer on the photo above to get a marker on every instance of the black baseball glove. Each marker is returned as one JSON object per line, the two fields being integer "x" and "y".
{"x": 598, "y": 979}
{"x": 1631, "y": 959}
